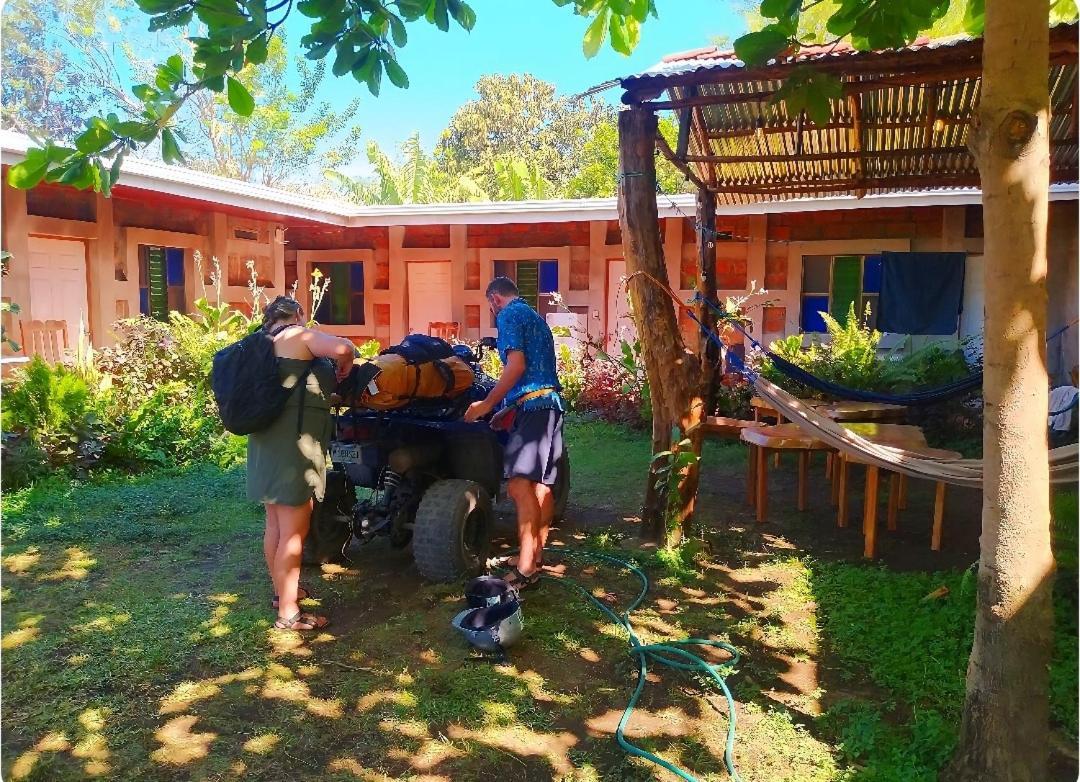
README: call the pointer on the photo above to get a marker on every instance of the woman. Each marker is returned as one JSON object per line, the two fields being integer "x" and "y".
{"x": 286, "y": 464}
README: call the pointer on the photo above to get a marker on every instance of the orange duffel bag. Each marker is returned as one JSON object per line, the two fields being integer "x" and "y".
{"x": 400, "y": 381}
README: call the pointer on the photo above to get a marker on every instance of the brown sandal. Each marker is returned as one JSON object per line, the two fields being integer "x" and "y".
{"x": 302, "y": 593}
{"x": 312, "y": 621}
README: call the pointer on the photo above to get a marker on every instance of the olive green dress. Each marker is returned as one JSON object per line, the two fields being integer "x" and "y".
{"x": 286, "y": 466}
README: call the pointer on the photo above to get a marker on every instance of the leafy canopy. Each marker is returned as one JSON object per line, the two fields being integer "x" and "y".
{"x": 363, "y": 37}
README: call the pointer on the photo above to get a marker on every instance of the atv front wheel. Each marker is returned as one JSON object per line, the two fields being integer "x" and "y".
{"x": 452, "y": 530}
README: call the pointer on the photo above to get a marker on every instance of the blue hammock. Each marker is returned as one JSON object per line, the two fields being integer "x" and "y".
{"x": 929, "y": 396}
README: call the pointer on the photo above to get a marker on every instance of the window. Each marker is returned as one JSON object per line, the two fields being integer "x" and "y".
{"x": 343, "y": 304}
{"x": 161, "y": 281}
{"x": 536, "y": 281}
{"x": 832, "y": 283}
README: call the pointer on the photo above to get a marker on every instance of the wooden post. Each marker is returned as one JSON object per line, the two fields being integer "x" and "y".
{"x": 708, "y": 350}
{"x": 939, "y": 516}
{"x": 804, "y": 468}
{"x": 762, "y": 488}
{"x": 751, "y": 475}
{"x": 870, "y": 511}
{"x": 841, "y": 499}
{"x": 673, "y": 371}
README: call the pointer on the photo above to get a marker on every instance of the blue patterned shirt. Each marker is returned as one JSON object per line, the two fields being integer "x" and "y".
{"x": 522, "y": 328}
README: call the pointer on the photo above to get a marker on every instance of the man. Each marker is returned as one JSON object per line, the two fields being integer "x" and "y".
{"x": 530, "y": 385}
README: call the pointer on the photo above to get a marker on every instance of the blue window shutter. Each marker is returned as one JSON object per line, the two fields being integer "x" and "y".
{"x": 812, "y": 307}
{"x": 549, "y": 276}
{"x": 871, "y": 279}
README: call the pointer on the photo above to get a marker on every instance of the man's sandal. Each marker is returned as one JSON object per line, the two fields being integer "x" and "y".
{"x": 302, "y": 593}
{"x": 310, "y": 621}
{"x": 522, "y": 582}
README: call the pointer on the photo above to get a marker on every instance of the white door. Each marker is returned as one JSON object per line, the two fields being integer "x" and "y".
{"x": 58, "y": 281}
{"x": 429, "y": 295}
{"x": 620, "y": 323}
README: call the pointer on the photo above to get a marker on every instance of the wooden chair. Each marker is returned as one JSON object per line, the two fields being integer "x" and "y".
{"x": 447, "y": 330}
{"x": 45, "y": 338}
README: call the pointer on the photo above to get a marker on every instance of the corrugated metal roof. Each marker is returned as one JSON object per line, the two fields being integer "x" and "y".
{"x": 902, "y": 123}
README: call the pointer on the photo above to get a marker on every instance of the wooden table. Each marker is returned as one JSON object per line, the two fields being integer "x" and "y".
{"x": 896, "y": 490}
{"x": 862, "y": 411}
{"x": 781, "y": 437}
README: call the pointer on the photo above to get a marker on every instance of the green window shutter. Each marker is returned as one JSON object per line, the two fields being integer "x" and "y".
{"x": 528, "y": 282}
{"x": 156, "y": 283}
{"x": 846, "y": 286}
{"x": 340, "y": 293}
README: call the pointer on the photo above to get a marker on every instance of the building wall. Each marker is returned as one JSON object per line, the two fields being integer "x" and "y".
{"x": 763, "y": 251}
{"x": 112, "y": 230}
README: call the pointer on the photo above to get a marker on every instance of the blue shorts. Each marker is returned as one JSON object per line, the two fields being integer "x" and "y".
{"x": 535, "y": 448}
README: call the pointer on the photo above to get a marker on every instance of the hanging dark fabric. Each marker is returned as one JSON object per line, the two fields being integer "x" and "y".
{"x": 921, "y": 293}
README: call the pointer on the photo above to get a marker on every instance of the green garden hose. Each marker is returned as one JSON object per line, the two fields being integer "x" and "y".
{"x": 661, "y": 654}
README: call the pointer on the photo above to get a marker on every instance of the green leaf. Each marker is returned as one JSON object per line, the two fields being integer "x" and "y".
{"x": 178, "y": 18}
{"x": 595, "y": 34}
{"x": 617, "y": 30}
{"x": 374, "y": 79}
{"x": 760, "y": 47}
{"x": 257, "y": 51}
{"x": 176, "y": 65}
{"x": 975, "y": 17}
{"x": 779, "y": 9}
{"x": 114, "y": 172}
{"x": 30, "y": 171}
{"x": 240, "y": 99}
{"x": 144, "y": 92}
{"x": 170, "y": 150}
{"x": 397, "y": 31}
{"x": 442, "y": 20}
{"x": 94, "y": 140}
{"x": 412, "y": 9}
{"x": 397, "y": 75}
{"x": 462, "y": 13}
{"x": 345, "y": 60}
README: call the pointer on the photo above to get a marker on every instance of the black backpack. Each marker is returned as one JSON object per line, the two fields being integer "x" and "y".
{"x": 247, "y": 386}
{"x": 421, "y": 348}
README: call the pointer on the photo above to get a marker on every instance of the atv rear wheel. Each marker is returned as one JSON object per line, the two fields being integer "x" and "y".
{"x": 330, "y": 526}
{"x": 452, "y": 530}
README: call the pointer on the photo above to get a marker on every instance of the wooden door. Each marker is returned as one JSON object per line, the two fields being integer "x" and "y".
{"x": 58, "y": 288}
{"x": 429, "y": 295}
{"x": 620, "y": 323}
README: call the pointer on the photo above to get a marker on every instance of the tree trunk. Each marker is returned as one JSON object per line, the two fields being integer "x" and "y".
{"x": 673, "y": 371}
{"x": 1006, "y": 712}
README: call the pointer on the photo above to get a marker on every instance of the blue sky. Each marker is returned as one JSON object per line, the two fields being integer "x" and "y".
{"x": 514, "y": 36}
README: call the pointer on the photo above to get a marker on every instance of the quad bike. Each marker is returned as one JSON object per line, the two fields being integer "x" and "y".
{"x": 418, "y": 475}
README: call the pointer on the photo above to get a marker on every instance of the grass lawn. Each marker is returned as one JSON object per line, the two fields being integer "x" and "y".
{"x": 137, "y": 644}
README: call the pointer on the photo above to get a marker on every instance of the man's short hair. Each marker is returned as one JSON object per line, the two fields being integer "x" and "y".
{"x": 502, "y": 286}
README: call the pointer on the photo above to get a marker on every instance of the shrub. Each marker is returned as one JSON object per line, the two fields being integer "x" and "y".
{"x": 733, "y": 395}
{"x": 52, "y": 419}
{"x": 370, "y": 349}
{"x": 175, "y": 425}
{"x": 571, "y": 375}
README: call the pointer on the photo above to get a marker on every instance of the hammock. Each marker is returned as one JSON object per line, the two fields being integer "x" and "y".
{"x": 914, "y": 399}
{"x": 1064, "y": 461}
